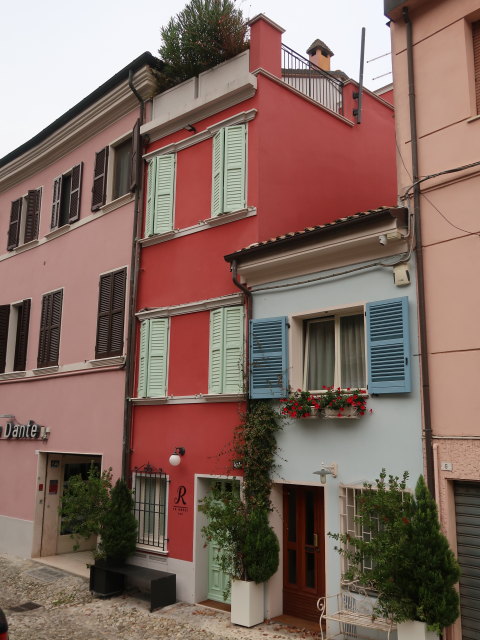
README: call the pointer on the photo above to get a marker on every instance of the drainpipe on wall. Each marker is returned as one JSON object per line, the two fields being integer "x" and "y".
{"x": 425, "y": 375}
{"x": 248, "y": 307}
{"x": 133, "y": 286}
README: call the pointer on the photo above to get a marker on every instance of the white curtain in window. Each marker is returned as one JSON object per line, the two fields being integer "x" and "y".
{"x": 321, "y": 354}
{"x": 352, "y": 351}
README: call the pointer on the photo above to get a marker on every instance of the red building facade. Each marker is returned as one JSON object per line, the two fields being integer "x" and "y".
{"x": 235, "y": 156}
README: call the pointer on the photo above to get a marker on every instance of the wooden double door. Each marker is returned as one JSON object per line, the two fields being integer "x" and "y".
{"x": 303, "y": 550}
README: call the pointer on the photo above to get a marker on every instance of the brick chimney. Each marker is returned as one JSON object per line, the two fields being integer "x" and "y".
{"x": 320, "y": 54}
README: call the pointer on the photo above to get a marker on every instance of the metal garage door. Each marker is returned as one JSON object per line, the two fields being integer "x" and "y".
{"x": 467, "y": 507}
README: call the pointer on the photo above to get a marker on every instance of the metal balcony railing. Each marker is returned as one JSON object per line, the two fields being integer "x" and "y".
{"x": 306, "y": 77}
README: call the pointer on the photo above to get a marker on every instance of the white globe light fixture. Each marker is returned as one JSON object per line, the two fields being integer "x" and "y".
{"x": 176, "y": 456}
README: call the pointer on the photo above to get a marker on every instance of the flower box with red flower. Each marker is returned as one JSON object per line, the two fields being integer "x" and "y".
{"x": 301, "y": 404}
{"x": 343, "y": 403}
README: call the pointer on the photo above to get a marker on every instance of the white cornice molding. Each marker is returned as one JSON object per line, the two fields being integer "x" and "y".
{"x": 104, "y": 112}
{"x": 209, "y": 132}
{"x": 203, "y": 225}
{"x": 192, "y": 307}
{"x": 156, "y": 130}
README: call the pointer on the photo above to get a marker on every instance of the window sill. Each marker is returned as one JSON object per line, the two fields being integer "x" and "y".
{"x": 193, "y": 399}
{"x": 107, "y": 362}
{"x": 57, "y": 232}
{"x": 143, "y": 551}
{"x": 116, "y": 204}
{"x": 45, "y": 371}
{"x": 10, "y": 375}
{"x": 223, "y": 218}
{"x": 26, "y": 246}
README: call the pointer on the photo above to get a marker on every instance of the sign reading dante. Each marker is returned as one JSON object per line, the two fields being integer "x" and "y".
{"x": 30, "y": 431}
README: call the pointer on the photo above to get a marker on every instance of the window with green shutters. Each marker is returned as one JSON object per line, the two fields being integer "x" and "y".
{"x": 228, "y": 169}
{"x": 226, "y": 350}
{"x": 152, "y": 374}
{"x": 160, "y": 194}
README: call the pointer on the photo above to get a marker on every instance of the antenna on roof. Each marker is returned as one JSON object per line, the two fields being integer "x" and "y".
{"x": 358, "y": 94}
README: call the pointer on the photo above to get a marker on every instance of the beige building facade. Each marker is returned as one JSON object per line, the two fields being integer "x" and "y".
{"x": 436, "y": 72}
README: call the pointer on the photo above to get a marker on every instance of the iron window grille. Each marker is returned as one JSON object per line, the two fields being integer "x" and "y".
{"x": 150, "y": 506}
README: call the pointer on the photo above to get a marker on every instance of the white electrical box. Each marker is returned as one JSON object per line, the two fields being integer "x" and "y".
{"x": 401, "y": 274}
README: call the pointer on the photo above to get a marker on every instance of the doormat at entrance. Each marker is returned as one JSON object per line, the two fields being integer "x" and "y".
{"x": 26, "y": 606}
{"x": 46, "y": 574}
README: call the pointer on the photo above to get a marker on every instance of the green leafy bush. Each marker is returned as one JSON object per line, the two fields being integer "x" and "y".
{"x": 411, "y": 564}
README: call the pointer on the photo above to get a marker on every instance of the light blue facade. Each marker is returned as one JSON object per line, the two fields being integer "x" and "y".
{"x": 389, "y": 437}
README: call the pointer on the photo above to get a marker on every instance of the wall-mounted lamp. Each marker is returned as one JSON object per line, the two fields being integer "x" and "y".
{"x": 327, "y": 470}
{"x": 191, "y": 128}
{"x": 176, "y": 456}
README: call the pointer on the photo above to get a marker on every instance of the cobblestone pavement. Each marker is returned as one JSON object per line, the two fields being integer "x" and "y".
{"x": 67, "y": 611}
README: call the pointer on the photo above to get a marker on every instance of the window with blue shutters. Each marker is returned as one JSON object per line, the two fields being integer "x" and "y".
{"x": 268, "y": 358}
{"x": 388, "y": 346}
{"x": 228, "y": 169}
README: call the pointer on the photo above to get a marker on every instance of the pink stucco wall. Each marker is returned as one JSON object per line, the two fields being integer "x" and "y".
{"x": 83, "y": 407}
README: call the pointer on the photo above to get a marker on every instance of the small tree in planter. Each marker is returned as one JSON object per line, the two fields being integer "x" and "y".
{"x": 412, "y": 567}
{"x": 239, "y": 525}
{"x": 118, "y": 526}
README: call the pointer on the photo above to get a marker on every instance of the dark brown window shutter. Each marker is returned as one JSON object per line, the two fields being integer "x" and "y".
{"x": 74, "y": 208}
{"x": 33, "y": 214}
{"x": 111, "y": 314}
{"x": 56, "y": 202}
{"x": 135, "y": 157}
{"x": 50, "y": 322}
{"x": 4, "y": 320}
{"x": 99, "y": 189}
{"x": 14, "y": 227}
{"x": 20, "y": 361}
{"x": 476, "y": 59}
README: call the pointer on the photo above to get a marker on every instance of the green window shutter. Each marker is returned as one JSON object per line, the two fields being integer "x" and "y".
{"x": 164, "y": 193}
{"x": 216, "y": 351}
{"x": 157, "y": 358}
{"x": 142, "y": 369}
{"x": 234, "y": 178}
{"x": 233, "y": 350}
{"x": 151, "y": 176}
{"x": 217, "y": 173}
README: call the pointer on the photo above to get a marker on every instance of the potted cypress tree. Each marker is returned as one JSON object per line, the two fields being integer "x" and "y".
{"x": 118, "y": 531}
{"x": 413, "y": 569}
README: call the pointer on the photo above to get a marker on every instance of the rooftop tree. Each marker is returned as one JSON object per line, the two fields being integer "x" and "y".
{"x": 203, "y": 34}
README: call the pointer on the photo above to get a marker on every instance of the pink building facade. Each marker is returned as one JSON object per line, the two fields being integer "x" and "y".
{"x": 442, "y": 40}
{"x": 67, "y": 213}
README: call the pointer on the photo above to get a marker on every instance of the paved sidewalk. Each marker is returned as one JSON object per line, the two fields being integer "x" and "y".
{"x": 46, "y": 603}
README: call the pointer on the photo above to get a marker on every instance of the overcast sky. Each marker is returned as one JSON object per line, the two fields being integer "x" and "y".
{"x": 54, "y": 53}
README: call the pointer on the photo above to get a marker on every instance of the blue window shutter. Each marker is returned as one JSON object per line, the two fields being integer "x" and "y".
{"x": 268, "y": 358}
{"x": 388, "y": 344}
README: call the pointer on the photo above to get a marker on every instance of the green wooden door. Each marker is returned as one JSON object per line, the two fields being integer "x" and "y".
{"x": 217, "y": 580}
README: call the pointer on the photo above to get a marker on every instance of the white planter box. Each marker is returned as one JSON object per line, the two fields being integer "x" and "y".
{"x": 247, "y": 603}
{"x": 413, "y": 630}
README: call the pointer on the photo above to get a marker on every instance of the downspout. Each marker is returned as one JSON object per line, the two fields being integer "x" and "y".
{"x": 425, "y": 375}
{"x": 133, "y": 287}
{"x": 248, "y": 307}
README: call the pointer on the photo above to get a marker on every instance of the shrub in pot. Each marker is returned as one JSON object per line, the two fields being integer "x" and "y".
{"x": 413, "y": 568}
{"x": 239, "y": 524}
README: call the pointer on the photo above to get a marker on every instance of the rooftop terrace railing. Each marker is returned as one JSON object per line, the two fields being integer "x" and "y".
{"x": 306, "y": 77}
